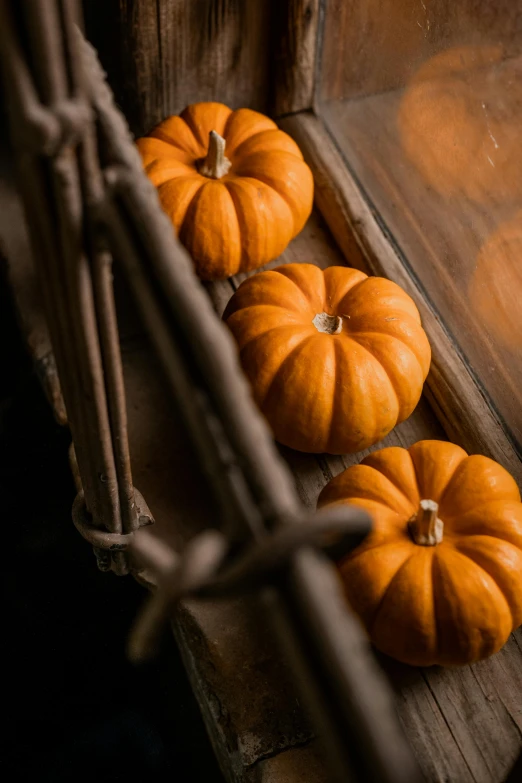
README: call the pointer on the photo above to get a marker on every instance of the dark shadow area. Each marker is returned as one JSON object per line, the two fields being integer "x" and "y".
{"x": 74, "y": 708}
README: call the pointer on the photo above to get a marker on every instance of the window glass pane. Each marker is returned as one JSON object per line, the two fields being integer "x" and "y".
{"x": 424, "y": 100}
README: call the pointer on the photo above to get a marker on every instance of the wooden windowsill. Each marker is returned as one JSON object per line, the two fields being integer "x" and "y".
{"x": 455, "y": 394}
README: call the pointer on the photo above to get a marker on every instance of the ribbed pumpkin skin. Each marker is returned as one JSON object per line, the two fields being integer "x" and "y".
{"x": 452, "y": 603}
{"x": 246, "y": 217}
{"x": 334, "y": 393}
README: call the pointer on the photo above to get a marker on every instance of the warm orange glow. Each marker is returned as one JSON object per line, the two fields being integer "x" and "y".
{"x": 459, "y": 123}
{"x": 496, "y": 286}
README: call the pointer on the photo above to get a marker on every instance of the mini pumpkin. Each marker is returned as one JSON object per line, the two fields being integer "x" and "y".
{"x": 439, "y": 580}
{"x": 496, "y": 284}
{"x": 235, "y": 186}
{"x": 335, "y": 359}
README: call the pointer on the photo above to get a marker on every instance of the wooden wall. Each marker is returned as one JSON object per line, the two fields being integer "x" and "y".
{"x": 161, "y": 55}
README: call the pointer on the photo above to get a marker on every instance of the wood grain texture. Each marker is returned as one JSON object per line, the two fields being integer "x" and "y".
{"x": 162, "y": 55}
{"x": 370, "y": 46}
{"x": 459, "y": 402}
{"x": 294, "y": 50}
{"x": 467, "y": 719}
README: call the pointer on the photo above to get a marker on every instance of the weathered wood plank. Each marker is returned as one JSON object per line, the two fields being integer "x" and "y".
{"x": 464, "y": 723}
{"x": 162, "y": 55}
{"x": 479, "y": 710}
{"x": 452, "y": 389}
{"x": 294, "y": 49}
{"x": 427, "y": 728}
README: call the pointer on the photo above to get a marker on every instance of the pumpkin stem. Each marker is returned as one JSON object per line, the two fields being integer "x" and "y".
{"x": 425, "y": 527}
{"x": 329, "y": 324}
{"x": 215, "y": 165}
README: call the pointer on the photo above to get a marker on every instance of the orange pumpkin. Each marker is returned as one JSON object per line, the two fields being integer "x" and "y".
{"x": 235, "y": 186}
{"x": 439, "y": 580}
{"x": 459, "y": 122}
{"x": 335, "y": 359}
{"x": 496, "y": 285}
